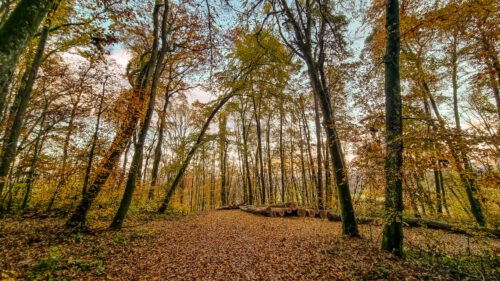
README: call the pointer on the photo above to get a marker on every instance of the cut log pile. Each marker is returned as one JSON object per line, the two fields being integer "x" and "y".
{"x": 230, "y": 207}
{"x": 281, "y": 210}
{"x": 293, "y": 210}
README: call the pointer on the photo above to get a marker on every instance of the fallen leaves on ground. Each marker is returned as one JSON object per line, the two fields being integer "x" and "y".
{"x": 217, "y": 245}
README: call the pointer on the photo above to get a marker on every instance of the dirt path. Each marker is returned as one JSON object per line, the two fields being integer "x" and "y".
{"x": 232, "y": 245}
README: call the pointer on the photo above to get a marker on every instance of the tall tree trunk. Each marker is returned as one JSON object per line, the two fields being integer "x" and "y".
{"x": 124, "y": 165}
{"x": 319, "y": 160}
{"x": 272, "y": 193}
{"x": 282, "y": 154}
{"x": 461, "y": 161}
{"x": 305, "y": 194}
{"x": 242, "y": 168}
{"x": 260, "y": 159}
{"x": 94, "y": 139}
{"x": 439, "y": 200}
{"x": 135, "y": 166}
{"x": 294, "y": 189}
{"x": 312, "y": 170}
{"x": 328, "y": 182}
{"x": 319, "y": 84}
{"x": 223, "y": 158}
{"x": 392, "y": 240}
{"x": 40, "y": 139}
{"x": 454, "y": 79}
{"x": 493, "y": 67}
{"x": 158, "y": 149}
{"x": 245, "y": 132}
{"x": 135, "y": 107}
{"x": 18, "y": 109}
{"x": 16, "y": 33}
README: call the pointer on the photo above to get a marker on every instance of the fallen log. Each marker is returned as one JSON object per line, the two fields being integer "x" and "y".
{"x": 292, "y": 205}
{"x": 229, "y": 207}
{"x": 301, "y": 212}
{"x": 278, "y": 212}
{"x": 420, "y": 222}
{"x": 263, "y": 211}
{"x": 322, "y": 214}
{"x": 311, "y": 213}
{"x": 410, "y": 222}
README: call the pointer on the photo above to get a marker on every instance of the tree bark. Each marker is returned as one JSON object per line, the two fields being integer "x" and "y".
{"x": 319, "y": 158}
{"x": 318, "y": 80}
{"x": 158, "y": 149}
{"x": 282, "y": 153}
{"x": 18, "y": 109}
{"x": 392, "y": 240}
{"x": 272, "y": 193}
{"x": 223, "y": 158}
{"x": 260, "y": 159}
{"x": 37, "y": 148}
{"x": 135, "y": 166}
{"x": 16, "y": 33}
{"x": 94, "y": 139}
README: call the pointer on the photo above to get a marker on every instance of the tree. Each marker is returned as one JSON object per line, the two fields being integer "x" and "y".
{"x": 16, "y": 33}
{"x": 139, "y": 145}
{"x": 135, "y": 106}
{"x": 392, "y": 240}
{"x": 311, "y": 22}
{"x": 198, "y": 143}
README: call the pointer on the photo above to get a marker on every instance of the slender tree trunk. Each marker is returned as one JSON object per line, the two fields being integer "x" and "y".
{"x": 493, "y": 67}
{"x": 272, "y": 194}
{"x": 461, "y": 161}
{"x": 454, "y": 79}
{"x": 223, "y": 158}
{"x": 282, "y": 154}
{"x": 328, "y": 182}
{"x": 319, "y": 184}
{"x": 305, "y": 194}
{"x": 158, "y": 149}
{"x": 16, "y": 33}
{"x": 443, "y": 194}
{"x": 260, "y": 159}
{"x": 439, "y": 201}
{"x": 135, "y": 166}
{"x": 34, "y": 160}
{"x": 245, "y": 131}
{"x": 392, "y": 240}
{"x": 94, "y": 140}
{"x": 293, "y": 191}
{"x": 124, "y": 165}
{"x": 312, "y": 170}
{"x": 242, "y": 168}
{"x": 18, "y": 109}
{"x": 319, "y": 84}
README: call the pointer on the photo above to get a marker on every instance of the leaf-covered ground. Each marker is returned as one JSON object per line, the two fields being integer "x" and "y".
{"x": 233, "y": 245}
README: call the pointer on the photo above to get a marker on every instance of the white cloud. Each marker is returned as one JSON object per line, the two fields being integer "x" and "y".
{"x": 121, "y": 57}
{"x": 198, "y": 94}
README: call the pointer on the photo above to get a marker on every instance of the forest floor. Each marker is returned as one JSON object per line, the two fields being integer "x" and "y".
{"x": 233, "y": 245}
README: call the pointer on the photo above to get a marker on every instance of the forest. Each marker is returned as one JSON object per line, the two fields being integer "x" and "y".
{"x": 249, "y": 140}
